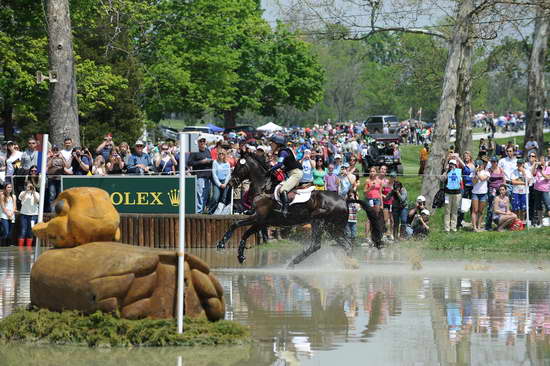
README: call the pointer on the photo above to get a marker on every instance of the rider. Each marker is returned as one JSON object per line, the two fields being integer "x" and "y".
{"x": 288, "y": 163}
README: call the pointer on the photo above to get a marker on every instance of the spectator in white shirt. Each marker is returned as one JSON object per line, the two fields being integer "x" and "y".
{"x": 29, "y": 213}
{"x": 532, "y": 145}
{"x": 508, "y": 164}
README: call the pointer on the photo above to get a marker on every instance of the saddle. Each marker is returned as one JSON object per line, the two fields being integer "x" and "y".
{"x": 300, "y": 194}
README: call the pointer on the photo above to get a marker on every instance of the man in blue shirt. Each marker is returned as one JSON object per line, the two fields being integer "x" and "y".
{"x": 453, "y": 195}
{"x": 139, "y": 162}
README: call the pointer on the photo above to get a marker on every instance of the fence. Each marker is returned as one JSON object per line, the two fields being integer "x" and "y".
{"x": 162, "y": 230}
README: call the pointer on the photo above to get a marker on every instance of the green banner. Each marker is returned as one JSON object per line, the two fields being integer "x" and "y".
{"x": 155, "y": 194}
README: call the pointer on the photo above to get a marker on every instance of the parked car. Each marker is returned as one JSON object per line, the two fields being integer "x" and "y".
{"x": 376, "y": 124}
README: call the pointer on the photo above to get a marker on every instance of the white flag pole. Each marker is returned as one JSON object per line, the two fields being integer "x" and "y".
{"x": 43, "y": 164}
{"x": 181, "y": 239}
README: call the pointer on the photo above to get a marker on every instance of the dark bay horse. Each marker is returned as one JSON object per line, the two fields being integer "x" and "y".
{"x": 326, "y": 211}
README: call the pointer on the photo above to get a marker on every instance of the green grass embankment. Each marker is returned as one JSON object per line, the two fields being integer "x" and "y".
{"x": 106, "y": 330}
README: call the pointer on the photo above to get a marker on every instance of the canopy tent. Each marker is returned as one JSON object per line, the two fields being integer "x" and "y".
{"x": 214, "y": 128}
{"x": 270, "y": 127}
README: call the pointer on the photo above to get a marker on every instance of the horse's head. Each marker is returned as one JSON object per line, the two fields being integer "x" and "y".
{"x": 243, "y": 170}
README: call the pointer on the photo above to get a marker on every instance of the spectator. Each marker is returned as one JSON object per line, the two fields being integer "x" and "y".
{"x": 56, "y": 167}
{"x": 353, "y": 208}
{"x": 8, "y": 204}
{"x": 531, "y": 146}
{"x": 139, "y": 162}
{"x": 502, "y": 215}
{"x": 67, "y": 151}
{"x": 29, "y": 158}
{"x": 420, "y": 204}
{"x": 337, "y": 164}
{"x": 424, "y": 155}
{"x": 33, "y": 177}
{"x": 331, "y": 180}
{"x": 81, "y": 161}
{"x": 30, "y": 200}
{"x": 221, "y": 174}
{"x": 496, "y": 179}
{"x": 530, "y": 166}
{"x": 420, "y": 224}
{"x": 453, "y": 182}
{"x": 542, "y": 189}
{"x": 399, "y": 206}
{"x": 201, "y": 163}
{"x": 468, "y": 170}
{"x": 319, "y": 175}
{"x": 307, "y": 167}
{"x": 387, "y": 199}
{"x": 480, "y": 190}
{"x": 124, "y": 152}
{"x": 13, "y": 161}
{"x": 373, "y": 193}
{"x": 491, "y": 146}
{"x": 115, "y": 164}
{"x": 508, "y": 164}
{"x": 99, "y": 166}
{"x": 165, "y": 161}
{"x": 106, "y": 146}
{"x": 520, "y": 178}
{"x": 345, "y": 181}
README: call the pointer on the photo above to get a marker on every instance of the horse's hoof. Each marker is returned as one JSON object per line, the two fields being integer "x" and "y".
{"x": 241, "y": 258}
{"x": 220, "y": 245}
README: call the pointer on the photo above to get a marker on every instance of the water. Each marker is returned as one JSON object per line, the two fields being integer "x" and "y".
{"x": 451, "y": 311}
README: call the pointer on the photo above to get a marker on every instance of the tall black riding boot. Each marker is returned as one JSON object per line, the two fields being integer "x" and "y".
{"x": 284, "y": 203}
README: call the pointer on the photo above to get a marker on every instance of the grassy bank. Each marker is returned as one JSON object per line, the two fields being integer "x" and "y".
{"x": 106, "y": 330}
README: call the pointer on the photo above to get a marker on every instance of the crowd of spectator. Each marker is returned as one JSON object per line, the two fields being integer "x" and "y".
{"x": 493, "y": 185}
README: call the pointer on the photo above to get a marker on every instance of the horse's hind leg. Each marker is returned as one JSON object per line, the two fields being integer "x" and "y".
{"x": 242, "y": 244}
{"x": 314, "y": 246}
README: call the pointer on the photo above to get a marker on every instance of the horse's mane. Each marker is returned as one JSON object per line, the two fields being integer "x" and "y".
{"x": 263, "y": 164}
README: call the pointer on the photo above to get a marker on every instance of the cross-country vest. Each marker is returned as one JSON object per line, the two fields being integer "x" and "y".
{"x": 290, "y": 162}
{"x": 454, "y": 179}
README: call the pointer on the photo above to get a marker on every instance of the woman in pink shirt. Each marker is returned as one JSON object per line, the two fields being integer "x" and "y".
{"x": 541, "y": 174}
{"x": 373, "y": 193}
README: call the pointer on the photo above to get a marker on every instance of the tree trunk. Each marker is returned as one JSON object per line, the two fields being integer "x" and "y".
{"x": 7, "y": 117}
{"x": 441, "y": 135}
{"x": 536, "y": 92}
{"x": 463, "y": 110}
{"x": 63, "y": 104}
{"x": 230, "y": 118}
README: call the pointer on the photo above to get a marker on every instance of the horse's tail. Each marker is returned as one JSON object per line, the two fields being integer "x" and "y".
{"x": 376, "y": 218}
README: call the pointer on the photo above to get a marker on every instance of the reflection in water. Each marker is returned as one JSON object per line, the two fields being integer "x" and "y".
{"x": 351, "y": 318}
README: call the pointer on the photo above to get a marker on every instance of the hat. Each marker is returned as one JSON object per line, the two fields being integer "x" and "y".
{"x": 55, "y": 147}
{"x": 420, "y": 199}
{"x": 307, "y": 151}
{"x": 200, "y": 139}
{"x": 520, "y": 161}
{"x": 479, "y": 162}
{"x": 452, "y": 161}
{"x": 139, "y": 142}
{"x": 337, "y": 156}
{"x": 494, "y": 158}
{"x": 345, "y": 165}
{"x": 425, "y": 212}
{"x": 393, "y": 174}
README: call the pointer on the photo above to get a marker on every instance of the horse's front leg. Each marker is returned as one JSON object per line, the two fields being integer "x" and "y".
{"x": 315, "y": 245}
{"x": 234, "y": 226}
{"x": 242, "y": 244}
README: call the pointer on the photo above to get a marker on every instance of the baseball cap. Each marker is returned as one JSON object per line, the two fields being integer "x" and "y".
{"x": 420, "y": 199}
{"x": 425, "y": 212}
{"x": 345, "y": 165}
{"x": 520, "y": 161}
{"x": 479, "y": 162}
{"x": 139, "y": 142}
{"x": 337, "y": 156}
{"x": 452, "y": 161}
{"x": 494, "y": 158}
{"x": 393, "y": 174}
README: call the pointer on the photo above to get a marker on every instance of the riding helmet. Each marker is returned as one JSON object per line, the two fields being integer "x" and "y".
{"x": 279, "y": 140}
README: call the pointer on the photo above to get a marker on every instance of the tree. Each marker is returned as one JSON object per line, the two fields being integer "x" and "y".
{"x": 536, "y": 90}
{"x": 222, "y": 56}
{"x": 63, "y": 103}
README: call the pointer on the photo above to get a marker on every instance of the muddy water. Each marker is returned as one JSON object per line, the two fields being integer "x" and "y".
{"x": 445, "y": 311}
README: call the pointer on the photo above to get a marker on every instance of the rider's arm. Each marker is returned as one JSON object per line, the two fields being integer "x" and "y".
{"x": 280, "y": 160}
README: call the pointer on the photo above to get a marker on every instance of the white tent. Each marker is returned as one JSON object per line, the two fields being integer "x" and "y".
{"x": 270, "y": 127}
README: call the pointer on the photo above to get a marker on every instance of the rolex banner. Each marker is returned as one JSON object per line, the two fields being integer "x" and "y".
{"x": 140, "y": 194}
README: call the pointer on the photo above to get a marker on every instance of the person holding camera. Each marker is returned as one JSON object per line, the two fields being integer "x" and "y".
{"x": 165, "y": 162}
{"x": 115, "y": 164}
{"x": 30, "y": 200}
{"x": 7, "y": 216}
{"x": 420, "y": 224}
{"x": 99, "y": 167}
{"x": 453, "y": 193}
{"x": 81, "y": 161}
{"x": 104, "y": 149}
{"x": 541, "y": 173}
{"x": 399, "y": 209}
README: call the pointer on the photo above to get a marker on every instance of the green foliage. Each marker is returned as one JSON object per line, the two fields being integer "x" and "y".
{"x": 106, "y": 330}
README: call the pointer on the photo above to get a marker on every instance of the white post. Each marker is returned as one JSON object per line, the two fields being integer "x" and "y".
{"x": 43, "y": 183}
{"x": 527, "y": 218}
{"x": 181, "y": 248}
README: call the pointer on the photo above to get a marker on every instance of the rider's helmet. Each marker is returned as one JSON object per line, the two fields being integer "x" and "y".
{"x": 279, "y": 140}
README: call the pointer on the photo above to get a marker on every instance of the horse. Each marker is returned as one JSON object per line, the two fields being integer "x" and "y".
{"x": 325, "y": 210}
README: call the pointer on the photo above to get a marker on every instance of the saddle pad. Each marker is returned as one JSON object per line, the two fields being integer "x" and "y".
{"x": 302, "y": 195}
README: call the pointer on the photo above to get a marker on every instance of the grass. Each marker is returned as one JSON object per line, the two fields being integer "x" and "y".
{"x": 107, "y": 330}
